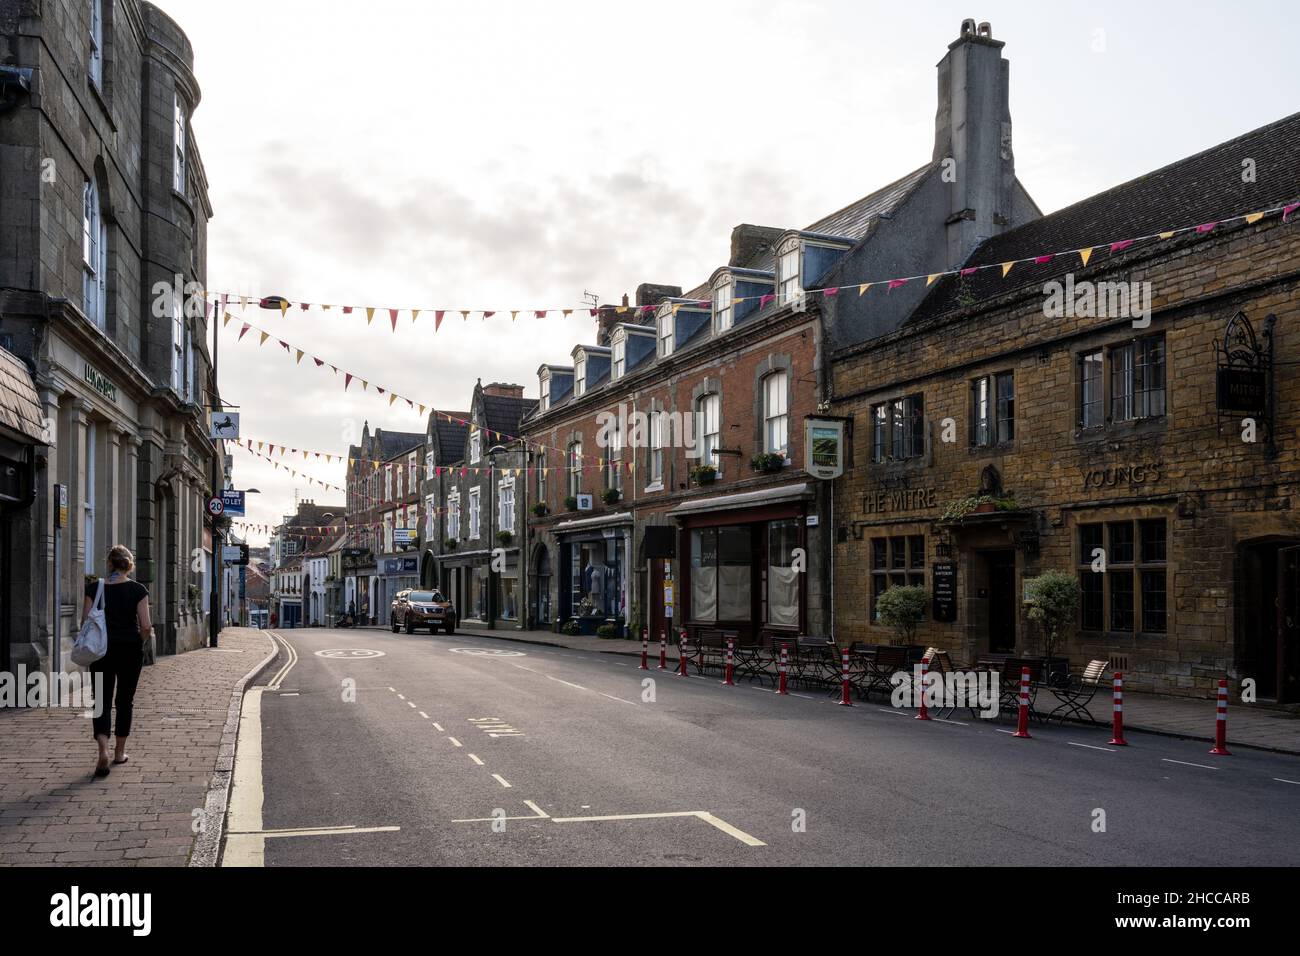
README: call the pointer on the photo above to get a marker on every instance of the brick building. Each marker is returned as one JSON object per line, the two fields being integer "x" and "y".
{"x": 1097, "y": 432}
{"x": 103, "y": 248}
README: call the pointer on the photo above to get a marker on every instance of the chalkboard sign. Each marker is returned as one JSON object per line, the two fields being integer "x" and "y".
{"x": 944, "y": 591}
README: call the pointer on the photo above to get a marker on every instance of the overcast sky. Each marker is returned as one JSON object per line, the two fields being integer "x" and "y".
{"x": 516, "y": 154}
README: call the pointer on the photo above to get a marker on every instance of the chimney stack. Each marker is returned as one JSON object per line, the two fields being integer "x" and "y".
{"x": 973, "y": 131}
{"x": 502, "y": 390}
{"x": 749, "y": 242}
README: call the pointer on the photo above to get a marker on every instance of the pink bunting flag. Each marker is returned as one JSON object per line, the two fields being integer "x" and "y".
{"x": 304, "y": 306}
{"x": 379, "y": 390}
{"x": 487, "y": 315}
{"x": 1287, "y": 210}
{"x": 392, "y": 315}
{"x": 437, "y": 319}
{"x": 319, "y": 362}
{"x": 594, "y": 312}
{"x": 243, "y": 331}
{"x": 830, "y": 292}
{"x": 971, "y": 271}
{"x": 347, "y": 310}
{"x": 284, "y": 345}
{"x": 1206, "y": 227}
{"x": 347, "y": 380}
{"x": 895, "y": 283}
{"x": 1043, "y": 260}
{"x": 763, "y": 300}
{"x": 540, "y": 313}
{"x": 1121, "y": 245}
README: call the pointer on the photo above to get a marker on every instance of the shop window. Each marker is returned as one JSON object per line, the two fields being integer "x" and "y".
{"x": 782, "y": 576}
{"x": 895, "y": 562}
{"x": 596, "y": 585}
{"x": 1131, "y": 595}
{"x": 507, "y": 598}
{"x": 721, "y": 573}
{"x": 898, "y": 429}
{"x": 993, "y": 407}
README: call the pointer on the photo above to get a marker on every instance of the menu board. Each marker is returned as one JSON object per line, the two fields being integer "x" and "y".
{"x": 943, "y": 597}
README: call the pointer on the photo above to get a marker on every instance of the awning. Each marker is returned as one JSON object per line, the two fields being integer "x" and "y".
{"x": 587, "y": 524}
{"x": 744, "y": 499}
{"x": 20, "y": 406}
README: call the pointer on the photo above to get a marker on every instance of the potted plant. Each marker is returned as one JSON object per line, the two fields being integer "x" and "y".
{"x": 610, "y": 496}
{"x": 571, "y": 627}
{"x": 571, "y": 503}
{"x": 704, "y": 474}
{"x": 540, "y": 510}
{"x": 976, "y": 504}
{"x": 607, "y": 630}
{"x": 450, "y": 544}
{"x": 902, "y": 607}
{"x": 767, "y": 461}
{"x": 1051, "y": 600}
{"x": 505, "y": 537}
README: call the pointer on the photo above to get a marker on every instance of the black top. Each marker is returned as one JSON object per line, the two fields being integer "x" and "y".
{"x": 120, "y": 602}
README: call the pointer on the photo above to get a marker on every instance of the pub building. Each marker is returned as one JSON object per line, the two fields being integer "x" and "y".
{"x": 996, "y": 435}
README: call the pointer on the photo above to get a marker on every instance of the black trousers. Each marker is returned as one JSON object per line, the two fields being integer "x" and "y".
{"x": 121, "y": 670}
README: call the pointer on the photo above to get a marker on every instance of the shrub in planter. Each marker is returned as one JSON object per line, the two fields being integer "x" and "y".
{"x": 607, "y": 630}
{"x": 610, "y": 495}
{"x": 571, "y": 627}
{"x": 571, "y": 503}
{"x": 540, "y": 509}
{"x": 704, "y": 474}
{"x": 450, "y": 544}
{"x": 901, "y": 607}
{"x": 767, "y": 461}
{"x": 1052, "y": 599}
{"x": 505, "y": 537}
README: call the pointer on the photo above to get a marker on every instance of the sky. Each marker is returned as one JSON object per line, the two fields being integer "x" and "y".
{"x": 517, "y": 155}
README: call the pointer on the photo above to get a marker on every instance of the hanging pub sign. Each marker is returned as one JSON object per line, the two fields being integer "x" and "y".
{"x": 943, "y": 591}
{"x": 1244, "y": 373}
{"x": 823, "y": 447}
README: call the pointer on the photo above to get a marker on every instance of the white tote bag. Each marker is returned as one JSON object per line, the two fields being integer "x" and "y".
{"x": 92, "y": 639}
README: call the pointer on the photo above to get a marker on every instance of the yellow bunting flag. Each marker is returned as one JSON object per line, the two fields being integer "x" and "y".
{"x": 265, "y": 336}
{"x": 929, "y": 280}
{"x": 226, "y": 320}
{"x": 621, "y": 308}
{"x": 1168, "y": 235}
{"x": 299, "y": 356}
{"x": 566, "y": 312}
{"x": 1085, "y": 255}
{"x": 514, "y": 315}
{"x": 421, "y": 409}
{"x": 1006, "y": 267}
{"x": 415, "y": 314}
{"x": 391, "y": 398}
{"x": 1254, "y": 217}
{"x": 284, "y": 307}
{"x": 370, "y": 315}
{"x": 243, "y": 302}
{"x": 325, "y": 307}
{"x": 863, "y": 288}
{"x": 464, "y": 314}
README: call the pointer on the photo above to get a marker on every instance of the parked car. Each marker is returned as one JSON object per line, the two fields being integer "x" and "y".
{"x": 412, "y": 609}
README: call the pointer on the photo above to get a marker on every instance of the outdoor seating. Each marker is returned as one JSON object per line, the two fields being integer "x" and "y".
{"x": 747, "y": 658}
{"x": 882, "y": 666}
{"x": 815, "y": 659}
{"x": 1078, "y": 692}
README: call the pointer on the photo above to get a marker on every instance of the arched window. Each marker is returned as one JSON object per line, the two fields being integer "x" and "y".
{"x": 667, "y": 336}
{"x": 94, "y": 253}
{"x": 776, "y": 413}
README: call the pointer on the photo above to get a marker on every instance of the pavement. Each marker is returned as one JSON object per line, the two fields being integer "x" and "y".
{"x": 53, "y": 811}
{"x": 361, "y": 747}
{"x": 1249, "y": 725}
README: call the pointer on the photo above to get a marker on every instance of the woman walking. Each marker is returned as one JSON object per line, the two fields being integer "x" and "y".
{"x": 126, "y": 613}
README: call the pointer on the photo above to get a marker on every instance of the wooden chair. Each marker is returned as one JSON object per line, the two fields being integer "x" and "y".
{"x": 1078, "y": 693}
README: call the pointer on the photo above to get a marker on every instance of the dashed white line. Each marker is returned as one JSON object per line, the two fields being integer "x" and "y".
{"x": 393, "y": 689}
{"x": 455, "y": 742}
{"x": 1109, "y": 750}
{"x": 502, "y": 780}
{"x": 401, "y": 696}
{"x": 410, "y": 703}
{"x": 1280, "y": 780}
{"x": 565, "y": 682}
{"x": 1203, "y": 766}
{"x": 438, "y": 727}
{"x": 424, "y": 715}
{"x": 474, "y": 758}
{"x": 612, "y": 697}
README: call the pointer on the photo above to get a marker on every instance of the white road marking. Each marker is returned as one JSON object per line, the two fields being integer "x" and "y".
{"x": 612, "y": 697}
{"x": 454, "y": 741}
{"x": 410, "y": 703}
{"x": 275, "y": 682}
{"x": 501, "y": 780}
{"x": 393, "y": 689}
{"x": 704, "y": 815}
{"x": 1001, "y": 731}
{"x": 476, "y": 760}
{"x": 318, "y": 831}
{"x": 1109, "y": 750}
{"x": 565, "y": 682}
{"x": 949, "y": 720}
{"x": 1280, "y": 780}
{"x": 289, "y": 693}
{"x": 437, "y": 726}
{"x": 534, "y": 807}
{"x": 401, "y": 697}
{"x": 1203, "y": 766}
{"x": 244, "y": 814}
{"x": 424, "y": 715}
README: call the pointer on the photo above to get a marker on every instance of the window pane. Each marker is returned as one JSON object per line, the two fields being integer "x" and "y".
{"x": 1090, "y": 384}
{"x": 916, "y": 551}
{"x": 1121, "y": 543}
{"x": 1153, "y": 601}
{"x": 1006, "y": 407}
{"x": 916, "y": 414}
{"x": 782, "y": 578}
{"x": 1121, "y": 383}
{"x": 878, "y": 585}
{"x": 1153, "y": 540}
{"x": 735, "y": 549}
{"x": 704, "y": 574}
{"x": 879, "y": 433}
{"x": 879, "y": 553}
{"x": 1121, "y": 600}
{"x": 898, "y": 552}
{"x": 1090, "y": 603}
{"x": 1150, "y": 377}
{"x": 980, "y": 401}
{"x": 1089, "y": 541}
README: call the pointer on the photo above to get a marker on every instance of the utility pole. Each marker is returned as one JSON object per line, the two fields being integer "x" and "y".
{"x": 214, "y": 609}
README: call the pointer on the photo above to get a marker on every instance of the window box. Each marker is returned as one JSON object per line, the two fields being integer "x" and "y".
{"x": 704, "y": 474}
{"x": 571, "y": 503}
{"x": 450, "y": 544}
{"x": 611, "y": 496}
{"x": 541, "y": 511}
{"x": 768, "y": 461}
{"x": 977, "y": 504}
{"x": 505, "y": 537}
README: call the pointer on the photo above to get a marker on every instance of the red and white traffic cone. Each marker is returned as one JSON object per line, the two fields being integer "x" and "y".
{"x": 681, "y": 656}
{"x": 663, "y": 651}
{"x": 727, "y": 681}
{"x": 1117, "y": 722}
{"x": 844, "y": 679}
{"x": 1221, "y": 722}
{"x": 645, "y": 651}
{"x": 922, "y": 713}
{"x": 782, "y": 667}
{"x": 1022, "y": 725}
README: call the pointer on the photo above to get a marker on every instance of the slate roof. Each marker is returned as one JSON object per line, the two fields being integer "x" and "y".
{"x": 20, "y": 406}
{"x": 503, "y": 414}
{"x": 451, "y": 435}
{"x": 1202, "y": 188}
{"x": 392, "y": 444}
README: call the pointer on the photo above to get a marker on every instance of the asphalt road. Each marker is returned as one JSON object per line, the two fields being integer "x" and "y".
{"x": 493, "y": 753}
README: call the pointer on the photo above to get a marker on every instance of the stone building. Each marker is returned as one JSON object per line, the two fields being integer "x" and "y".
{"x": 473, "y": 502}
{"x": 103, "y": 246}
{"x": 1047, "y": 419}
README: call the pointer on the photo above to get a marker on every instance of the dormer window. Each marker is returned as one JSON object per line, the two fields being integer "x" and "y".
{"x": 619, "y": 350}
{"x": 789, "y": 276}
{"x": 667, "y": 328}
{"x": 580, "y": 376}
{"x": 722, "y": 304}
{"x": 545, "y": 380}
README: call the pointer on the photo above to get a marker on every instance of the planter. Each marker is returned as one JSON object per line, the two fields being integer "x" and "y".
{"x": 571, "y": 503}
{"x": 985, "y": 508}
{"x": 704, "y": 474}
{"x": 610, "y": 496}
{"x": 540, "y": 510}
{"x": 767, "y": 462}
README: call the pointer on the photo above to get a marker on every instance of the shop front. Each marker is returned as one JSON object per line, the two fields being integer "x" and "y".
{"x": 396, "y": 573}
{"x": 594, "y": 572}
{"x": 743, "y": 563}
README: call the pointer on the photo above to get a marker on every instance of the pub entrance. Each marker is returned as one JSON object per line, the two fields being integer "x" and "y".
{"x": 1268, "y": 589}
{"x": 999, "y": 588}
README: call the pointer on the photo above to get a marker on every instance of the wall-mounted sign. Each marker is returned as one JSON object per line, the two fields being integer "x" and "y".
{"x": 1125, "y": 476}
{"x": 61, "y": 506}
{"x": 823, "y": 447}
{"x": 225, "y": 425}
{"x": 584, "y": 502}
{"x": 404, "y": 535}
{"x": 1243, "y": 391}
{"x": 1244, "y": 374}
{"x": 899, "y": 499}
{"x": 943, "y": 591}
{"x": 100, "y": 383}
{"x": 400, "y": 566}
{"x": 232, "y": 502}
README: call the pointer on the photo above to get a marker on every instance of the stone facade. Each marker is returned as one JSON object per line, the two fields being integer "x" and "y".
{"x": 103, "y": 212}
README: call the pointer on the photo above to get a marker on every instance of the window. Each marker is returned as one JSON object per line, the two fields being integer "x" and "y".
{"x": 788, "y": 271}
{"x": 580, "y": 376}
{"x": 475, "y": 445}
{"x": 178, "y": 345}
{"x": 453, "y": 516}
{"x": 388, "y": 483}
{"x": 614, "y": 474}
{"x": 506, "y": 505}
{"x": 399, "y": 481}
{"x": 721, "y": 573}
{"x": 178, "y": 142}
{"x": 1137, "y": 379}
{"x": 776, "y": 413}
{"x": 94, "y": 254}
{"x": 88, "y": 498}
{"x": 620, "y": 358}
{"x": 541, "y": 476}
{"x": 782, "y": 576}
{"x": 898, "y": 429}
{"x": 97, "y": 42}
{"x": 575, "y": 468}
{"x": 191, "y": 381}
{"x": 656, "y": 448}
{"x": 430, "y": 517}
{"x": 545, "y": 382}
{"x": 1091, "y": 409}
{"x": 428, "y": 466}
{"x": 667, "y": 323}
{"x": 722, "y": 311}
{"x": 993, "y": 409}
{"x": 709, "y": 428}
{"x": 895, "y": 562}
{"x": 1131, "y": 595}
{"x": 473, "y": 513}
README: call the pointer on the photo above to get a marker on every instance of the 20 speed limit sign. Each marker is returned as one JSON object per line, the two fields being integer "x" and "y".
{"x": 215, "y": 507}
